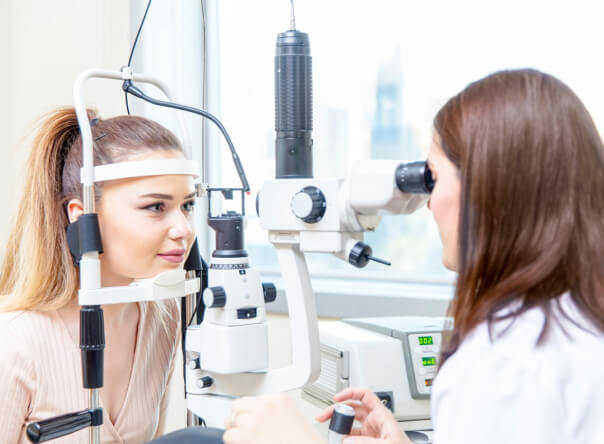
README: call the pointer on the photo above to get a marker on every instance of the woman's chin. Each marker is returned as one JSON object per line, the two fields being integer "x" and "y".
{"x": 449, "y": 264}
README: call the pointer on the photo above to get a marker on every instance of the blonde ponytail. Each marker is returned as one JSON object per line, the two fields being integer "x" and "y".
{"x": 38, "y": 271}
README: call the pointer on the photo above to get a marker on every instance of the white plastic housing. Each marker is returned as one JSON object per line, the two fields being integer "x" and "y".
{"x": 228, "y": 349}
{"x": 305, "y": 365}
{"x": 243, "y": 289}
{"x": 371, "y": 190}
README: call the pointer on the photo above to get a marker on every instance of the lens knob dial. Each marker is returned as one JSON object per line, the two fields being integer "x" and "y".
{"x": 309, "y": 204}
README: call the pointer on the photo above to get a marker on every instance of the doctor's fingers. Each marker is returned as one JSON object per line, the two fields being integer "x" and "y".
{"x": 366, "y": 396}
{"x": 240, "y": 430}
{"x": 233, "y": 436}
{"x": 325, "y": 414}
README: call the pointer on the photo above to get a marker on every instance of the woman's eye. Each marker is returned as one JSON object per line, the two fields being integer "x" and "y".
{"x": 188, "y": 206}
{"x": 156, "y": 207}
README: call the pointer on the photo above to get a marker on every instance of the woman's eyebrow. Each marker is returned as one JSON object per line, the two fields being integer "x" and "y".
{"x": 158, "y": 196}
{"x": 166, "y": 196}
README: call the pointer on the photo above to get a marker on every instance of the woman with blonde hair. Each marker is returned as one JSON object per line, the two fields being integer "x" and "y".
{"x": 146, "y": 228}
{"x": 519, "y": 202}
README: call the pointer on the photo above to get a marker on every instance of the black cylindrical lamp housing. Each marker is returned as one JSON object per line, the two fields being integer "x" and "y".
{"x": 293, "y": 106}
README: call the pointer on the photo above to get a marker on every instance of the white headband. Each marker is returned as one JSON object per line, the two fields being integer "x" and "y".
{"x": 144, "y": 168}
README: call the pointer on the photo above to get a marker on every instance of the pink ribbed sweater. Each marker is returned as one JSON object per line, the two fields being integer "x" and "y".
{"x": 41, "y": 376}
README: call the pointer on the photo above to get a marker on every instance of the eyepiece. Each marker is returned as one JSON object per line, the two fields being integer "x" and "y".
{"x": 414, "y": 178}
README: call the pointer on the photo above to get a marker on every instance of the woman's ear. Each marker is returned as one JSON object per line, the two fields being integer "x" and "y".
{"x": 75, "y": 209}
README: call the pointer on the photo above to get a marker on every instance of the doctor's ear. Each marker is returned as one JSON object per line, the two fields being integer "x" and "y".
{"x": 75, "y": 209}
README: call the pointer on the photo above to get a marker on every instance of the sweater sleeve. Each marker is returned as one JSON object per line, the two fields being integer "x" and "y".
{"x": 17, "y": 386}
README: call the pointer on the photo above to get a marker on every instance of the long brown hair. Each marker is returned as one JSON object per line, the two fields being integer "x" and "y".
{"x": 531, "y": 220}
{"x": 38, "y": 271}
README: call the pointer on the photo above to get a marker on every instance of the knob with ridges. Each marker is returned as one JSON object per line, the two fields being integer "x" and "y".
{"x": 214, "y": 297}
{"x": 309, "y": 204}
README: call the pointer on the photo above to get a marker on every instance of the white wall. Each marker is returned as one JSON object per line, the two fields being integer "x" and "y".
{"x": 43, "y": 47}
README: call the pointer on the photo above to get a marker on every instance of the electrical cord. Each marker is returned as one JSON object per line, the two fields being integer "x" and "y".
{"x": 138, "y": 33}
{"x": 129, "y": 88}
{"x": 194, "y": 312}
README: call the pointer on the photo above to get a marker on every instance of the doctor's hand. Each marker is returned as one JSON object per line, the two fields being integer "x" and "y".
{"x": 378, "y": 425}
{"x": 268, "y": 419}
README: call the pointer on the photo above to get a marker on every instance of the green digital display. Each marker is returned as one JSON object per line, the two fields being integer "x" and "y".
{"x": 425, "y": 340}
{"x": 427, "y": 361}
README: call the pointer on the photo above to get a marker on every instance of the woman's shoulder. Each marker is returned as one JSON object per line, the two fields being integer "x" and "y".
{"x": 22, "y": 332}
{"x": 23, "y": 325}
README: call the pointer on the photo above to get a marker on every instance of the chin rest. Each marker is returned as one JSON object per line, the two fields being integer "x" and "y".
{"x": 191, "y": 435}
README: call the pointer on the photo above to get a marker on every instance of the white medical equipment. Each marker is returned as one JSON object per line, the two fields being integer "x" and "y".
{"x": 395, "y": 357}
{"x": 227, "y": 353}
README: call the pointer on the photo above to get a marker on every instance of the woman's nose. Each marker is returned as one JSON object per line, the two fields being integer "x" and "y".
{"x": 181, "y": 227}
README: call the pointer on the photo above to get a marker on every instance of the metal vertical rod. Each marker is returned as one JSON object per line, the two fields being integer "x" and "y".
{"x": 193, "y": 420}
{"x": 93, "y": 403}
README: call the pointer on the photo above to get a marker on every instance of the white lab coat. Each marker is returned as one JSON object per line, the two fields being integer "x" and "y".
{"x": 512, "y": 391}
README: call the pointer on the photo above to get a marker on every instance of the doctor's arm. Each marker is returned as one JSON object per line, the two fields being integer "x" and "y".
{"x": 274, "y": 419}
{"x": 268, "y": 419}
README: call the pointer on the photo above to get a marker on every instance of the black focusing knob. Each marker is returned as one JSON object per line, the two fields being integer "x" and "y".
{"x": 205, "y": 382}
{"x": 309, "y": 204}
{"x": 194, "y": 364}
{"x": 342, "y": 419}
{"x": 359, "y": 254}
{"x": 270, "y": 292}
{"x": 214, "y": 297}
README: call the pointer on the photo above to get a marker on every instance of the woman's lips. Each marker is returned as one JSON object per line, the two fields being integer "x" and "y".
{"x": 173, "y": 256}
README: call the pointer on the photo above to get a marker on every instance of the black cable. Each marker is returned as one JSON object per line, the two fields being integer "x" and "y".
{"x": 194, "y": 312}
{"x": 138, "y": 33}
{"x": 128, "y": 87}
